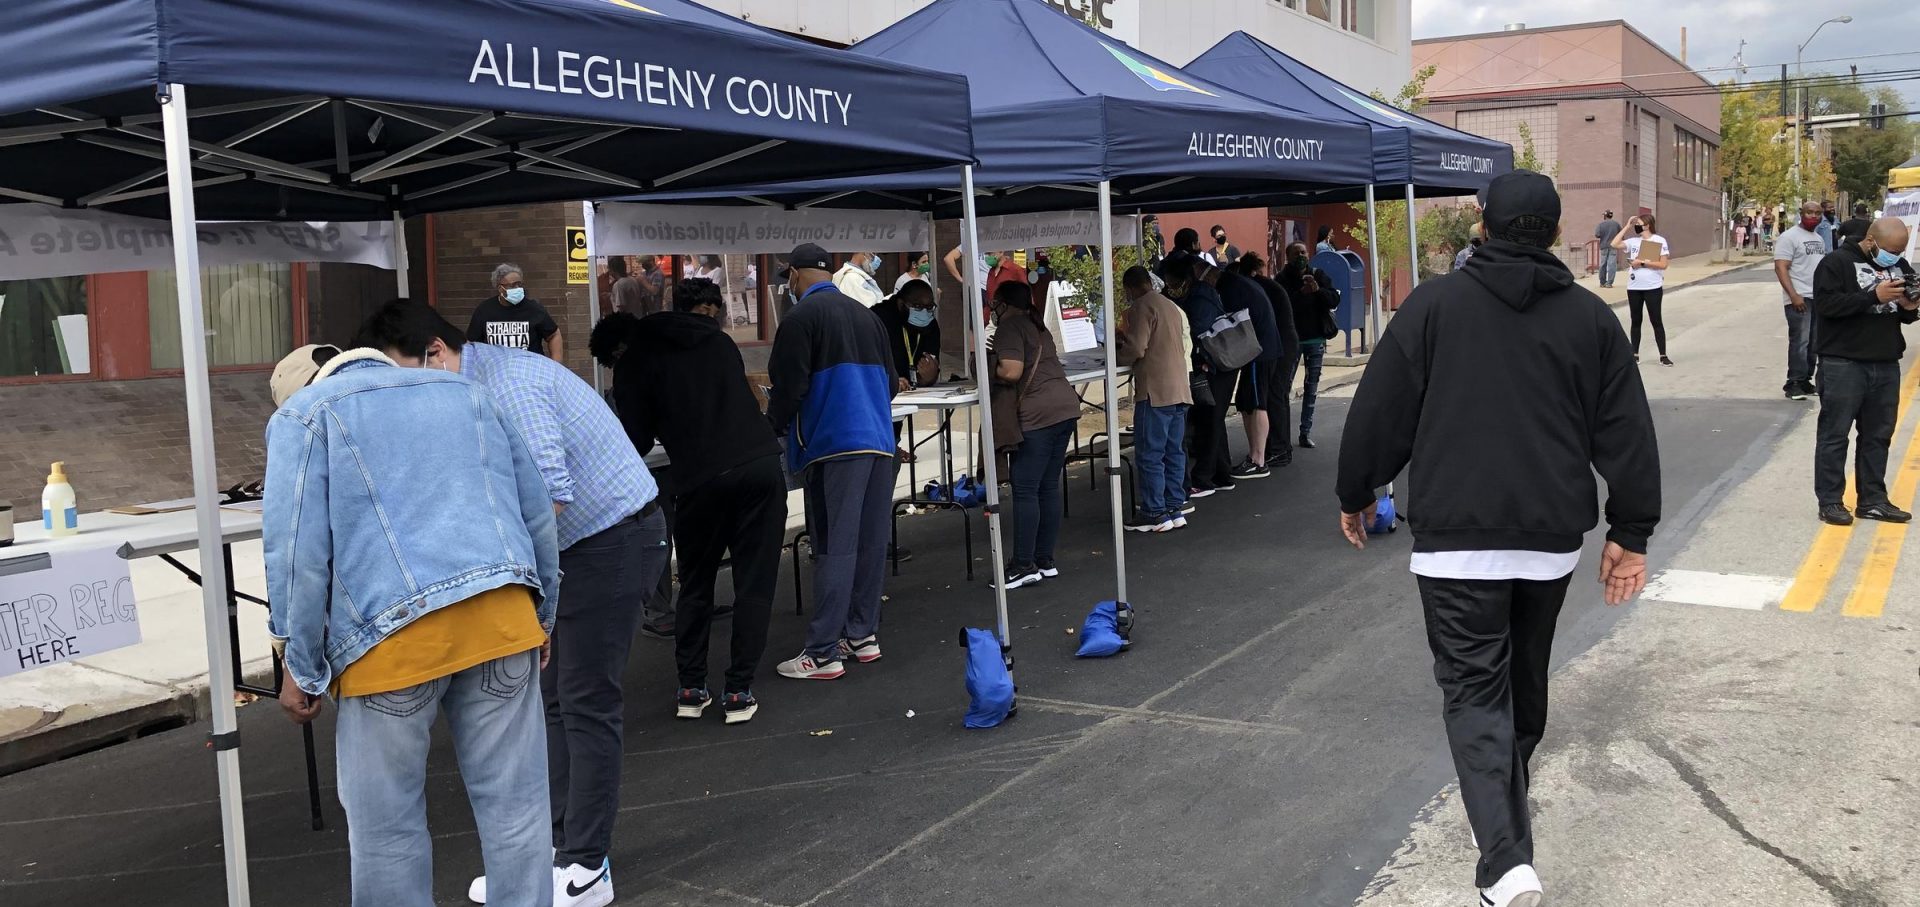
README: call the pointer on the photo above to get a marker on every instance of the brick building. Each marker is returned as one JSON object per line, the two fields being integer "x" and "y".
{"x": 1598, "y": 102}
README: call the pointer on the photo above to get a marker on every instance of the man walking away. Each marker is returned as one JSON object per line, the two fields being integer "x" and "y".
{"x": 832, "y": 398}
{"x": 411, "y": 566}
{"x": 1860, "y": 304}
{"x": 681, "y": 382}
{"x": 1314, "y": 301}
{"x": 1796, "y": 255}
{"x": 1609, "y": 259}
{"x": 1154, "y": 340}
{"x": 1854, "y": 229}
{"x": 613, "y": 548}
{"x": 1504, "y": 450}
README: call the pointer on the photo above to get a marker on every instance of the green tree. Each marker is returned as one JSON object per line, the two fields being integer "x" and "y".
{"x": 1445, "y": 230}
{"x": 1084, "y": 273}
{"x": 1756, "y": 150}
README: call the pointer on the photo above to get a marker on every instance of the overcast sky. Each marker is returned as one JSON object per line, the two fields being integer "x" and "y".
{"x": 1772, "y": 29}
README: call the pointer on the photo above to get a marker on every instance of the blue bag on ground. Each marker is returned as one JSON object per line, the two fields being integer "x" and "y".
{"x": 1385, "y": 517}
{"x": 1100, "y": 635}
{"x": 989, "y": 685}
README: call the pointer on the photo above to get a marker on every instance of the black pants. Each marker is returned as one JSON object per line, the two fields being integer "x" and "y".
{"x": 1649, "y": 300}
{"x": 1491, "y": 640}
{"x": 608, "y": 577}
{"x": 1855, "y": 396}
{"x": 742, "y": 512}
{"x": 1279, "y": 405}
{"x": 1209, "y": 463}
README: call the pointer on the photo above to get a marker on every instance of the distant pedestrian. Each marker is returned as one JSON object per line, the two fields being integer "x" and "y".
{"x": 1324, "y": 243}
{"x": 1461, "y": 257}
{"x": 1155, "y": 340}
{"x": 629, "y": 295}
{"x": 1506, "y": 448}
{"x": 1829, "y": 222}
{"x": 510, "y": 318}
{"x": 1609, "y": 259}
{"x": 1855, "y": 228}
{"x": 1314, "y": 302}
{"x": 653, "y": 286}
{"x": 1648, "y": 256}
{"x": 1860, "y": 304}
{"x": 1796, "y": 255}
{"x": 1222, "y": 253}
{"x": 1766, "y": 228}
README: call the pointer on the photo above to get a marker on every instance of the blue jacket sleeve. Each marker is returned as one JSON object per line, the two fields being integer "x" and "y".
{"x": 297, "y": 538}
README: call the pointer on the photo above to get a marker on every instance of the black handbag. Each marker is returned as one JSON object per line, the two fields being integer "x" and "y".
{"x": 1200, "y": 384}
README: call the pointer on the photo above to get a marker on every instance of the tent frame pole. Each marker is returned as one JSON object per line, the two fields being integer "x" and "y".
{"x": 401, "y": 266}
{"x": 1374, "y": 303}
{"x": 593, "y": 287}
{"x": 1413, "y": 242}
{"x": 1112, "y": 320}
{"x": 225, "y": 740}
{"x": 970, "y": 278}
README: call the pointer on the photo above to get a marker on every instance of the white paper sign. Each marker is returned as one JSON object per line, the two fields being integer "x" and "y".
{"x": 65, "y": 604}
{"x": 1060, "y": 228}
{"x": 44, "y": 241}
{"x": 624, "y": 228}
{"x": 1076, "y": 330}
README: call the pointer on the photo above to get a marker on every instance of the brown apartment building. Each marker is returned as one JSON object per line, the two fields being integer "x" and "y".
{"x": 1600, "y": 103}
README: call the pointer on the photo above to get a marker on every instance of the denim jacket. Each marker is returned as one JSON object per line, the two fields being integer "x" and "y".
{"x": 392, "y": 493}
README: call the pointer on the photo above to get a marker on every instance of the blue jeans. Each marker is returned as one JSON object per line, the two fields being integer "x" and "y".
{"x": 1799, "y": 344}
{"x": 1609, "y": 263}
{"x": 1861, "y": 399}
{"x": 1313, "y": 355}
{"x": 1037, "y": 463}
{"x": 493, "y": 711}
{"x": 1161, "y": 458}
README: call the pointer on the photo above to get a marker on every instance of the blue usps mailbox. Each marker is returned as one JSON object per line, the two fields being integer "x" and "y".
{"x": 1348, "y": 272}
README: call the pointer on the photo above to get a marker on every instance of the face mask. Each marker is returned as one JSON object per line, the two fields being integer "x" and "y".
{"x": 1885, "y": 259}
{"x": 923, "y": 269}
{"x": 1221, "y": 239}
{"x": 1637, "y": 228}
{"x": 919, "y": 317}
{"x": 1808, "y": 223}
{"x": 993, "y": 261}
{"x": 872, "y": 266}
{"x": 516, "y": 295}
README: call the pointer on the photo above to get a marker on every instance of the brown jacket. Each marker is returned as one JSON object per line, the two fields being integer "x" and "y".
{"x": 1155, "y": 343}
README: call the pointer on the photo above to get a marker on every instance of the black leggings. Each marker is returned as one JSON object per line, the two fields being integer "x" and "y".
{"x": 1650, "y": 300}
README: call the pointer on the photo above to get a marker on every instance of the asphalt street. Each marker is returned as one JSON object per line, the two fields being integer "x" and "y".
{"x": 1273, "y": 737}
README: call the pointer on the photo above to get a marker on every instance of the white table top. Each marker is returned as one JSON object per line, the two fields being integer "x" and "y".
{"x": 945, "y": 396}
{"x": 1096, "y": 373}
{"x": 147, "y": 535}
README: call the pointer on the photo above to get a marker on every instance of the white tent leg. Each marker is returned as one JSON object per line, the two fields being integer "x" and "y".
{"x": 401, "y": 266}
{"x": 1413, "y": 242}
{"x": 969, "y": 249}
{"x": 1373, "y": 274}
{"x": 593, "y": 286}
{"x": 206, "y": 494}
{"x": 1111, "y": 317}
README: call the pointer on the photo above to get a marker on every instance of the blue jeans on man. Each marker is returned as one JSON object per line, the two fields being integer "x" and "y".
{"x": 1161, "y": 458}
{"x": 1313, "y": 356}
{"x": 1609, "y": 264}
{"x": 494, "y": 713}
{"x": 1800, "y": 356}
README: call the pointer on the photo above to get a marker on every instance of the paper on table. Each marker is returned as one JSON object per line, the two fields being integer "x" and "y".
{"x": 1076, "y": 330}
{"x": 173, "y": 506}
{"x": 244, "y": 507}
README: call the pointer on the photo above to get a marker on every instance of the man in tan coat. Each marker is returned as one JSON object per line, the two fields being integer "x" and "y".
{"x": 1155, "y": 341}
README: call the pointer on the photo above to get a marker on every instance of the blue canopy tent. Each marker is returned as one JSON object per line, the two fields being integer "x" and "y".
{"x": 1427, "y": 158}
{"x": 363, "y": 109}
{"x": 1064, "y": 116}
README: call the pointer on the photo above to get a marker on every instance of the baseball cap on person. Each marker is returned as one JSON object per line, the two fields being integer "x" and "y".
{"x": 298, "y": 370}
{"x": 1522, "y": 206}
{"x": 808, "y": 255}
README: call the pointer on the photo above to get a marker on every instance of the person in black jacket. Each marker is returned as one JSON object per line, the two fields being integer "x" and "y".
{"x": 1503, "y": 448}
{"x": 1209, "y": 464}
{"x": 1260, "y": 392}
{"x": 1314, "y": 300}
{"x": 1277, "y": 401}
{"x": 1859, "y": 305}
{"x": 680, "y": 382}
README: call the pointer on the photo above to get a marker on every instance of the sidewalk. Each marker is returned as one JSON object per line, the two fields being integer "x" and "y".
{"x": 1681, "y": 273}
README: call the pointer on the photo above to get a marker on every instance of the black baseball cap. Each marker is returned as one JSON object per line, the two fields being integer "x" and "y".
{"x": 808, "y": 255}
{"x": 1522, "y": 205}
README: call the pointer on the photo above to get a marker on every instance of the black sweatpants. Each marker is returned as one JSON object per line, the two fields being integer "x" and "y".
{"x": 1491, "y": 640}
{"x": 742, "y": 511}
{"x": 1209, "y": 462}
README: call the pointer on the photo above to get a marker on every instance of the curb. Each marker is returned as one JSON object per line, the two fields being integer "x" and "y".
{"x": 1700, "y": 280}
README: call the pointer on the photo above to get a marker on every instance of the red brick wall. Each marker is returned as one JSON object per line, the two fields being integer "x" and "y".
{"x": 467, "y": 246}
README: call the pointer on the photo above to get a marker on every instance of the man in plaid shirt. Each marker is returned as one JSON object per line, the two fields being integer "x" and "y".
{"x": 613, "y": 549}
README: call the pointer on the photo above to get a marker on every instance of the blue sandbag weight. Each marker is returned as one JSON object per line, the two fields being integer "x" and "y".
{"x": 989, "y": 683}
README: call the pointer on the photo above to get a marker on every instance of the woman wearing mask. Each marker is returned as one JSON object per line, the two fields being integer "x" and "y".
{"x": 710, "y": 267}
{"x": 1032, "y": 393}
{"x": 855, "y": 278}
{"x": 919, "y": 267}
{"x": 1647, "y": 255}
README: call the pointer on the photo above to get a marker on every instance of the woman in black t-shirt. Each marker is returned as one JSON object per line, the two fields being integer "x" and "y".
{"x": 511, "y": 318}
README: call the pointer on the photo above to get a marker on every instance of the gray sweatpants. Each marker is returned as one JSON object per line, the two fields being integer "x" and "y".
{"x": 848, "y": 500}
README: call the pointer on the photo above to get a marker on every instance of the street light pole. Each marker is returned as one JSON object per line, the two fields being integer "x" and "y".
{"x": 1799, "y": 101}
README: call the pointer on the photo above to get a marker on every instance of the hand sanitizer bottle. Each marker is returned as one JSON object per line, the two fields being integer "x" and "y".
{"x": 58, "y": 513}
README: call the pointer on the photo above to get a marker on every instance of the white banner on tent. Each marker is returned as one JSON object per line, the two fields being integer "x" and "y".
{"x": 44, "y": 241}
{"x": 623, "y": 228}
{"x": 1061, "y": 228}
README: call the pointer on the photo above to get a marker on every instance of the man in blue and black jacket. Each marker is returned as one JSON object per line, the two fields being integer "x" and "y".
{"x": 832, "y": 375}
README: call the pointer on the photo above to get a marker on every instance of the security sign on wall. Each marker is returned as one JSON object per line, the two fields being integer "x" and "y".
{"x": 577, "y": 255}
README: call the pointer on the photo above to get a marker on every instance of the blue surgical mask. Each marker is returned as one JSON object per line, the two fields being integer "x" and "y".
{"x": 1885, "y": 259}
{"x": 919, "y": 317}
{"x": 873, "y": 265}
{"x": 516, "y": 295}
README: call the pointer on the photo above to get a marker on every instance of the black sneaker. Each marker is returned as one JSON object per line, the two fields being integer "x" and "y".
{"x": 1141, "y": 522}
{"x": 1306, "y": 443}
{"x": 1019, "y": 576}
{"x": 740, "y": 707}
{"x": 1835, "y": 515}
{"x": 1186, "y": 509}
{"x": 1223, "y": 486}
{"x": 1795, "y": 390}
{"x": 1201, "y": 492}
{"x": 692, "y": 703}
{"x": 897, "y": 553}
{"x": 1250, "y": 470}
{"x": 657, "y": 631}
{"x": 1048, "y": 569}
{"x": 1885, "y": 513}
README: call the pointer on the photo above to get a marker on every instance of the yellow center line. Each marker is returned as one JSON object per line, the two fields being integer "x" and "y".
{"x": 1869, "y": 595}
{"x": 1829, "y": 547}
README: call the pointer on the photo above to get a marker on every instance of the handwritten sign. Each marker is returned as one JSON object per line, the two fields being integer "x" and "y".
{"x": 62, "y": 605}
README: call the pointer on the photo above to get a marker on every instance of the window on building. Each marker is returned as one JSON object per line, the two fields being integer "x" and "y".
{"x": 1694, "y": 158}
{"x": 249, "y": 312}
{"x": 1504, "y": 124}
{"x": 43, "y": 327}
{"x": 1358, "y": 16}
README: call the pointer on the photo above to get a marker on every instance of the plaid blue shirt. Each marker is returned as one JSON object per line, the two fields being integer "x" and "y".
{"x": 583, "y": 453}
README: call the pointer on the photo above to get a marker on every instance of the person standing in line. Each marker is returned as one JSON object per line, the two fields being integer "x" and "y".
{"x": 855, "y": 279}
{"x": 1277, "y": 401}
{"x": 1026, "y": 363}
{"x": 1609, "y": 259}
{"x": 1259, "y": 379}
{"x": 412, "y": 567}
{"x": 1796, "y": 256}
{"x": 1221, "y": 254}
{"x": 1209, "y": 462}
{"x": 1504, "y": 441}
{"x": 1860, "y": 304}
{"x": 1854, "y": 228}
{"x": 613, "y": 549}
{"x": 1314, "y": 301}
{"x": 1154, "y": 339}
{"x": 832, "y": 398}
{"x": 1647, "y": 259}
{"x": 681, "y": 382}
{"x": 512, "y": 319}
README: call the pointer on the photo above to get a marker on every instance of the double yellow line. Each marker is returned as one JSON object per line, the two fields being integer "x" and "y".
{"x": 1868, "y": 597}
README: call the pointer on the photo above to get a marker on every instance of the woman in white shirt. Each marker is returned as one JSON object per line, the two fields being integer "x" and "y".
{"x": 710, "y": 267}
{"x": 1648, "y": 255}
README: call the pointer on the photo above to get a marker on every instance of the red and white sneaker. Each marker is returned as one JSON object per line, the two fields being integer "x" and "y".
{"x": 864, "y": 651}
{"x": 806, "y": 667}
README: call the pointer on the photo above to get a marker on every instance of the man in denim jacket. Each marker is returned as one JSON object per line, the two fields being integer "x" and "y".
{"x": 412, "y": 564}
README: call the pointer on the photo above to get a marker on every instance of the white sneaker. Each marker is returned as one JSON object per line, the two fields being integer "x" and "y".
{"x": 477, "y": 891}
{"x": 1520, "y": 887}
{"x": 581, "y": 886}
{"x": 804, "y": 667}
{"x": 864, "y": 651}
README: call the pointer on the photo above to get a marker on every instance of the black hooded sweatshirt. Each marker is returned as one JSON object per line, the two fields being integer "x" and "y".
{"x": 682, "y": 383}
{"x": 1507, "y": 386}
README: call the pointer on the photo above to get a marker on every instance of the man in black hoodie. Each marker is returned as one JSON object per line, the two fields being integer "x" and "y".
{"x": 1859, "y": 305}
{"x": 1506, "y": 386}
{"x": 680, "y": 381}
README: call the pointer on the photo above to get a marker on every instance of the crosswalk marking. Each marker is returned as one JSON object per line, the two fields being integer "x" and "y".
{"x": 1745, "y": 591}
